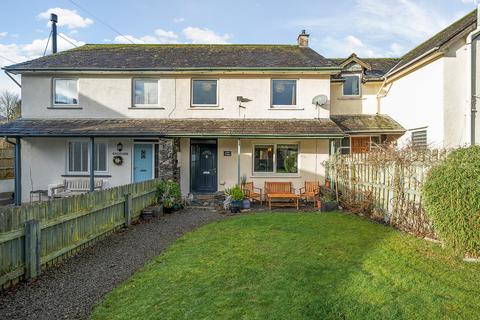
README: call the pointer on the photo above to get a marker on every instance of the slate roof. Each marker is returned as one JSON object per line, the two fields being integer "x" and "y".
{"x": 171, "y": 57}
{"x": 172, "y": 128}
{"x": 443, "y": 37}
{"x": 361, "y": 123}
{"x": 380, "y": 66}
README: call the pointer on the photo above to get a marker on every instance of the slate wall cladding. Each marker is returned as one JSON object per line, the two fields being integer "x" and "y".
{"x": 167, "y": 159}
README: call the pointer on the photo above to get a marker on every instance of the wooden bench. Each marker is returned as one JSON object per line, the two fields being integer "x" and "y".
{"x": 310, "y": 190}
{"x": 74, "y": 187}
{"x": 281, "y": 191}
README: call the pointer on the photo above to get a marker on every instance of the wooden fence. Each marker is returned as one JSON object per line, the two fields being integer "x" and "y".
{"x": 6, "y": 160}
{"x": 388, "y": 185}
{"x": 37, "y": 235}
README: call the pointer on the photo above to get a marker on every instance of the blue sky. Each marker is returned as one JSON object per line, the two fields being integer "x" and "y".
{"x": 337, "y": 28}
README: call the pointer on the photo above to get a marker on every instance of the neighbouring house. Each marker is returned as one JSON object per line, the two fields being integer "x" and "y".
{"x": 205, "y": 115}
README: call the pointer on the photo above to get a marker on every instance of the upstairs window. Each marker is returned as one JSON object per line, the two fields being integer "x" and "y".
{"x": 284, "y": 92}
{"x": 204, "y": 93}
{"x": 351, "y": 86}
{"x": 65, "y": 92}
{"x": 79, "y": 155}
{"x": 146, "y": 92}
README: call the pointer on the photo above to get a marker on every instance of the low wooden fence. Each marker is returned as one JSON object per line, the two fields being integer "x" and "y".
{"x": 36, "y": 235}
{"x": 387, "y": 185}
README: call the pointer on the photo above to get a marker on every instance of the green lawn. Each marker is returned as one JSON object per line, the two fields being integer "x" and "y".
{"x": 298, "y": 266}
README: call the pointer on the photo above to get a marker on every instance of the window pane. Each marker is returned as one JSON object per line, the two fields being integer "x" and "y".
{"x": 284, "y": 92}
{"x": 100, "y": 157}
{"x": 419, "y": 139}
{"x": 351, "y": 86}
{"x": 287, "y": 158}
{"x": 146, "y": 92}
{"x": 263, "y": 159}
{"x": 204, "y": 92}
{"x": 78, "y": 156}
{"x": 66, "y": 91}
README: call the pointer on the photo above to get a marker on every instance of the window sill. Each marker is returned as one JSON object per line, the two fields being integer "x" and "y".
{"x": 275, "y": 175}
{"x": 205, "y": 108}
{"x": 274, "y": 108}
{"x": 146, "y": 108}
{"x": 83, "y": 175}
{"x": 65, "y": 108}
{"x": 351, "y": 98}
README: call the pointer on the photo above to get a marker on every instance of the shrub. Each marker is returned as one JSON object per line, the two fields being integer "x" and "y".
{"x": 452, "y": 199}
{"x": 236, "y": 193}
{"x": 169, "y": 194}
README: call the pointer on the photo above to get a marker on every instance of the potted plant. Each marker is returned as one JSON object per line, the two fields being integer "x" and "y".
{"x": 328, "y": 200}
{"x": 169, "y": 195}
{"x": 237, "y": 197}
{"x": 246, "y": 201}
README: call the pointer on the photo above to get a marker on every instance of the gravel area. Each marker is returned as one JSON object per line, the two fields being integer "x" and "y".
{"x": 71, "y": 290}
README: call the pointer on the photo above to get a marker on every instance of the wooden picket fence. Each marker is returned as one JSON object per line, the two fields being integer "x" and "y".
{"x": 37, "y": 235}
{"x": 7, "y": 159}
{"x": 389, "y": 186}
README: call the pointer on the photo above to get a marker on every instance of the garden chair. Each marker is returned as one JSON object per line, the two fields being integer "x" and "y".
{"x": 253, "y": 192}
{"x": 310, "y": 190}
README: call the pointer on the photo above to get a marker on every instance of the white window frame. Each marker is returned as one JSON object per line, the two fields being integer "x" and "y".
{"x": 274, "y": 172}
{"x": 145, "y": 105}
{"x": 284, "y": 106}
{"x": 359, "y": 86}
{"x": 54, "y": 91}
{"x": 89, "y": 155}
{"x": 204, "y": 105}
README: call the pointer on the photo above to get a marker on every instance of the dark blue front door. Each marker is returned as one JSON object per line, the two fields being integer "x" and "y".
{"x": 203, "y": 166}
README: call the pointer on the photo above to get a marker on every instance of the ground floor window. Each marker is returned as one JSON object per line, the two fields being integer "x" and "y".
{"x": 275, "y": 158}
{"x": 79, "y": 155}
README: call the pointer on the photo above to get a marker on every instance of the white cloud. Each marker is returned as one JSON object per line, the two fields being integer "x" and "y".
{"x": 470, "y": 1}
{"x": 66, "y": 17}
{"x": 3, "y": 34}
{"x": 160, "y": 36}
{"x": 199, "y": 35}
{"x": 179, "y": 20}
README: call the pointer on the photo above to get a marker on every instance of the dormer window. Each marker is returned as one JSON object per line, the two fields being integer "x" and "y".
{"x": 351, "y": 85}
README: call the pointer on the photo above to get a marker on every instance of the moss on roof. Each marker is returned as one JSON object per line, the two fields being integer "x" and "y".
{"x": 380, "y": 66}
{"x": 179, "y": 56}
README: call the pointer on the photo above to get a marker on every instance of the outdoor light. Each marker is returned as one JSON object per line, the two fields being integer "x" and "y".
{"x": 119, "y": 146}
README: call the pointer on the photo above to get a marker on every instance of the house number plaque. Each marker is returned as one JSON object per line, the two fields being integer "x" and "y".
{"x": 227, "y": 153}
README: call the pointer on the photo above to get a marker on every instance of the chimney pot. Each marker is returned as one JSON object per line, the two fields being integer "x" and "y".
{"x": 302, "y": 39}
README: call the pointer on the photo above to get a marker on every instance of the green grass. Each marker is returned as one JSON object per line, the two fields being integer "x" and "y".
{"x": 298, "y": 266}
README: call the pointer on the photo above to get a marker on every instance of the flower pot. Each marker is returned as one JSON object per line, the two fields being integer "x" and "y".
{"x": 236, "y": 206}
{"x": 329, "y": 206}
{"x": 246, "y": 204}
{"x": 327, "y": 183}
{"x": 167, "y": 210}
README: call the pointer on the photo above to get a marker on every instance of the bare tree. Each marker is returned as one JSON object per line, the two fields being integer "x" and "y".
{"x": 9, "y": 105}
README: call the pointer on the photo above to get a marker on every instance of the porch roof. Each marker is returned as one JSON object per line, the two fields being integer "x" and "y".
{"x": 261, "y": 128}
{"x": 367, "y": 124}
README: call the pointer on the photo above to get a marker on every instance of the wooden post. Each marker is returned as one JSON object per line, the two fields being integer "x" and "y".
{"x": 32, "y": 249}
{"x": 128, "y": 209}
{"x": 238, "y": 161}
{"x": 92, "y": 164}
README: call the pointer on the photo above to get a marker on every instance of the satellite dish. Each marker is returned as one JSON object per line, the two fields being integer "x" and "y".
{"x": 320, "y": 100}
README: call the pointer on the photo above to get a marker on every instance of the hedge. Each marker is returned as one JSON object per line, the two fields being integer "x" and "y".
{"x": 452, "y": 199}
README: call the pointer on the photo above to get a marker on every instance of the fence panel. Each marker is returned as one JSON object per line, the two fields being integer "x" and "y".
{"x": 391, "y": 184}
{"x": 67, "y": 225}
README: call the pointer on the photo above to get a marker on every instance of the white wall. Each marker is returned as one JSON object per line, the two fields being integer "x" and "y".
{"x": 366, "y": 104}
{"x": 312, "y": 154}
{"x": 44, "y": 162}
{"x": 417, "y": 100}
{"x": 107, "y": 96}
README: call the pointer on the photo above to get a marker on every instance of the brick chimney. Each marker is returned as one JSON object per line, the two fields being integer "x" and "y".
{"x": 302, "y": 39}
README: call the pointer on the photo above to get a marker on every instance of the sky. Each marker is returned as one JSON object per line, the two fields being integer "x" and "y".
{"x": 370, "y": 28}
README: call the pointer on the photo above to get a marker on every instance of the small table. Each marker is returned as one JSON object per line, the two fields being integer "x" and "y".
{"x": 288, "y": 196}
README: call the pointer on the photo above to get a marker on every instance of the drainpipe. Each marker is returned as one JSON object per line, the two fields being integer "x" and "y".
{"x": 18, "y": 170}
{"x": 92, "y": 164}
{"x": 238, "y": 161}
{"x": 472, "y": 39}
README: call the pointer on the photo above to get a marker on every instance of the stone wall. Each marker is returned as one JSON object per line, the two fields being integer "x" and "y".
{"x": 167, "y": 159}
